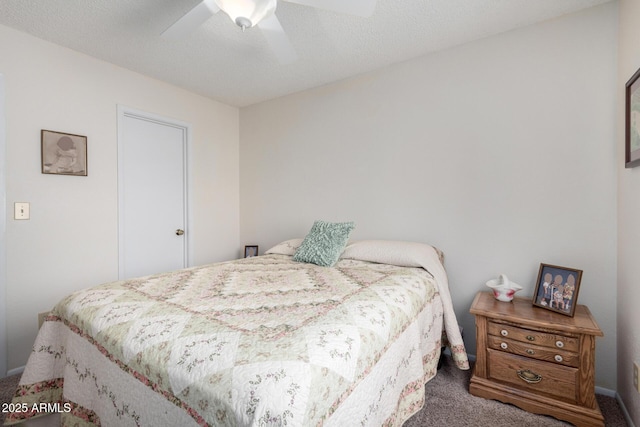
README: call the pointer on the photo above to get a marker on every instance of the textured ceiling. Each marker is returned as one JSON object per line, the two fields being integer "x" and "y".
{"x": 219, "y": 61}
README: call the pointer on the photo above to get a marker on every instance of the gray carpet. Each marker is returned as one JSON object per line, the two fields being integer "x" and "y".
{"x": 449, "y": 404}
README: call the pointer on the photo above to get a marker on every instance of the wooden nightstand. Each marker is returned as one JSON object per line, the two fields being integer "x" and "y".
{"x": 538, "y": 360}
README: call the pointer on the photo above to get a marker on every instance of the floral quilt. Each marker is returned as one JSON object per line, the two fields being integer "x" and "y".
{"x": 262, "y": 341}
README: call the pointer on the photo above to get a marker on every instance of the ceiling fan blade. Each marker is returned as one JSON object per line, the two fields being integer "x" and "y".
{"x": 191, "y": 20}
{"x": 278, "y": 40}
{"x": 362, "y": 8}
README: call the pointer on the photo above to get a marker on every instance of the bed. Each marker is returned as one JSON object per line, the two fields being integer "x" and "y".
{"x": 260, "y": 341}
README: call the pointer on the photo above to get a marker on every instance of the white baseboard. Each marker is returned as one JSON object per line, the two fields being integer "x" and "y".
{"x": 627, "y": 417}
{"x": 15, "y": 371}
{"x": 606, "y": 391}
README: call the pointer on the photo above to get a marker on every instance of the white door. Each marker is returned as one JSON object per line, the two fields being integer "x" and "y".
{"x": 152, "y": 186}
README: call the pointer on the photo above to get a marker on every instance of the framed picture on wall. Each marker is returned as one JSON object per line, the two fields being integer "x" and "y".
{"x": 632, "y": 121}
{"x": 557, "y": 289}
{"x": 63, "y": 153}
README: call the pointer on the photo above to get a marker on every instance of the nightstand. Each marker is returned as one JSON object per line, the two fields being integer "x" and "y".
{"x": 538, "y": 360}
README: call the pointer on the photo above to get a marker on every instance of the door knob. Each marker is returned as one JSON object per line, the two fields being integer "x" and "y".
{"x": 179, "y": 232}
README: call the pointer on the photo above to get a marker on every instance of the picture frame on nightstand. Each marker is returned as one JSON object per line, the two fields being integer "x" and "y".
{"x": 557, "y": 289}
{"x": 250, "y": 251}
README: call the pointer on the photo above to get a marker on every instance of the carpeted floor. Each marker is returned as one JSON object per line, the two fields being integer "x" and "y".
{"x": 7, "y": 389}
{"x": 450, "y": 404}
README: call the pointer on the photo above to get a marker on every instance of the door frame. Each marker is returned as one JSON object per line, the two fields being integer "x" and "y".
{"x": 127, "y": 112}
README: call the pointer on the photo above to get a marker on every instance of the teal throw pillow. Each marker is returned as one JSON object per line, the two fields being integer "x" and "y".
{"x": 324, "y": 243}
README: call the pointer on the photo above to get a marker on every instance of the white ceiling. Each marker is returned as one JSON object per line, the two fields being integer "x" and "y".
{"x": 219, "y": 61}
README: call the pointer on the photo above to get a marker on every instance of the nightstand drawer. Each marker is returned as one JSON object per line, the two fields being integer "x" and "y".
{"x": 543, "y": 339}
{"x": 533, "y": 376}
{"x": 533, "y": 351}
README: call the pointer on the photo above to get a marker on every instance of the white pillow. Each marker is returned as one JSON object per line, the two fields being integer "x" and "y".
{"x": 403, "y": 254}
{"x": 288, "y": 247}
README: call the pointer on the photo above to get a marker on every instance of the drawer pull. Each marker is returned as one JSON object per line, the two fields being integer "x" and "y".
{"x": 504, "y": 332}
{"x": 503, "y": 345}
{"x": 529, "y": 377}
{"x": 558, "y": 358}
{"x": 559, "y": 344}
{"x": 531, "y": 338}
{"x": 529, "y": 351}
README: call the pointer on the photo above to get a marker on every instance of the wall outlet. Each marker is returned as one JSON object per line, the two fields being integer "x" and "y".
{"x": 41, "y": 317}
{"x": 636, "y": 368}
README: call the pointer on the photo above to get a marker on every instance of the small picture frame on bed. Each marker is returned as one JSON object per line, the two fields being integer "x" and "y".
{"x": 63, "y": 153}
{"x": 632, "y": 121}
{"x": 250, "y": 251}
{"x": 557, "y": 289}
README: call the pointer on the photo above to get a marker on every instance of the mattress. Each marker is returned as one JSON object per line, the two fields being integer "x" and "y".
{"x": 258, "y": 341}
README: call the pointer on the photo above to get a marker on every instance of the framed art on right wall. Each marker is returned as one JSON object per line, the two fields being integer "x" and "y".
{"x": 557, "y": 289}
{"x": 632, "y": 121}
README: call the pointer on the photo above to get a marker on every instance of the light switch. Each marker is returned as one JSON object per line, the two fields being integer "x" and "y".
{"x": 21, "y": 210}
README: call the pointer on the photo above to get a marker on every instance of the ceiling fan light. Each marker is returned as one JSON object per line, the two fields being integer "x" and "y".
{"x": 247, "y": 13}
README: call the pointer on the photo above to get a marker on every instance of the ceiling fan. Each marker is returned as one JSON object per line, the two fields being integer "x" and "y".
{"x": 261, "y": 13}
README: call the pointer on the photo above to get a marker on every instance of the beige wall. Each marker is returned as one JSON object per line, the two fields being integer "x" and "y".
{"x": 70, "y": 242}
{"x": 628, "y": 219}
{"x": 501, "y": 152}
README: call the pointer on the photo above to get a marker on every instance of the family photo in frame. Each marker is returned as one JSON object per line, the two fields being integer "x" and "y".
{"x": 557, "y": 289}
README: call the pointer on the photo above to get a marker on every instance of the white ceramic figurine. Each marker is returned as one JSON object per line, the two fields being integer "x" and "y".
{"x": 503, "y": 289}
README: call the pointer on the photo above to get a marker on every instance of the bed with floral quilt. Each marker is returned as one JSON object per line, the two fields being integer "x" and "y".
{"x": 260, "y": 341}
